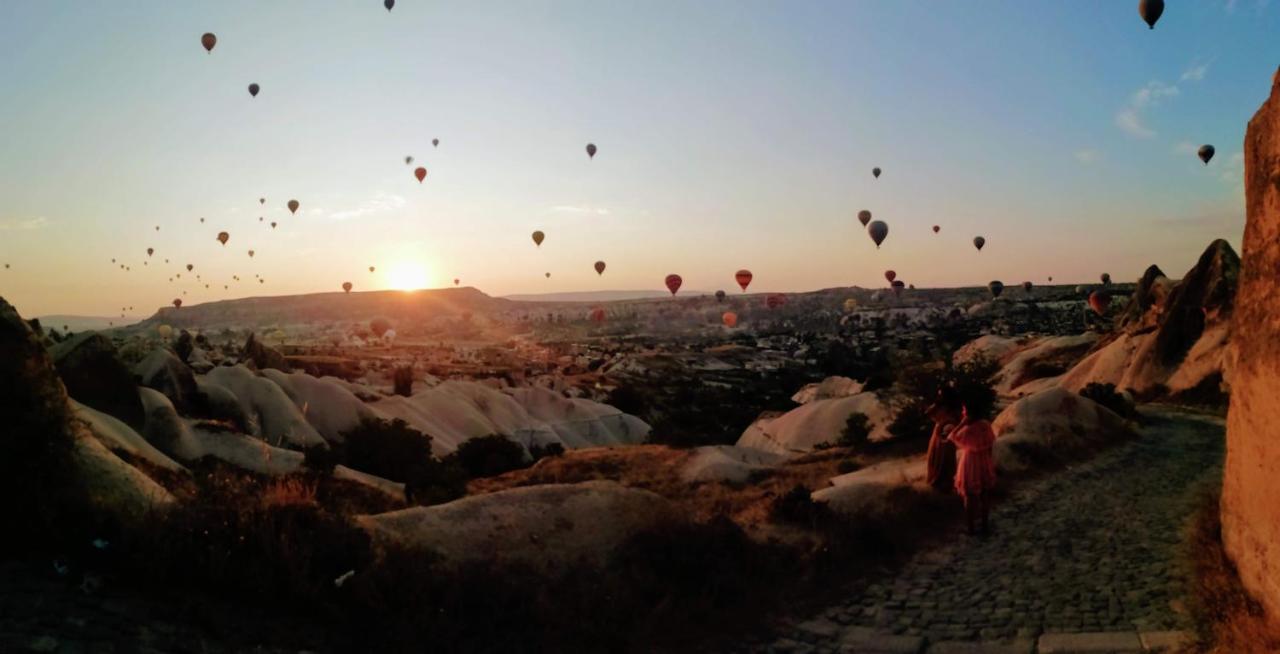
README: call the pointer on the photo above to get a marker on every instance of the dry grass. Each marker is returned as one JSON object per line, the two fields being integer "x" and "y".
{"x": 1227, "y": 620}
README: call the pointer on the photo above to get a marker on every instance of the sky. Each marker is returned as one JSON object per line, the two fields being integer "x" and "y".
{"x": 731, "y": 134}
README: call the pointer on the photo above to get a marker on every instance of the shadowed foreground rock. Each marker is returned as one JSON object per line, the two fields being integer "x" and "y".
{"x": 1251, "y": 480}
{"x": 94, "y": 375}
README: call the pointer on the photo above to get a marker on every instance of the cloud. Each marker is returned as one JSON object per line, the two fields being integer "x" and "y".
{"x": 1087, "y": 156}
{"x": 28, "y": 224}
{"x": 580, "y": 210}
{"x": 1132, "y": 118}
{"x": 380, "y": 203}
{"x": 1195, "y": 73}
{"x": 1232, "y": 171}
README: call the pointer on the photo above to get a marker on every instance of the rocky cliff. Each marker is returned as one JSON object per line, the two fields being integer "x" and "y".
{"x": 1251, "y": 480}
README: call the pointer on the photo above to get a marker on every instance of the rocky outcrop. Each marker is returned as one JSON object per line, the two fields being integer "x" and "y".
{"x": 271, "y": 414}
{"x": 827, "y": 389}
{"x": 1052, "y": 427}
{"x": 820, "y": 421}
{"x": 548, "y": 527}
{"x": 259, "y": 356}
{"x": 163, "y": 371}
{"x": 93, "y": 374}
{"x": 327, "y": 405}
{"x": 1251, "y": 478}
{"x": 1152, "y": 291}
{"x": 727, "y": 463}
{"x": 1025, "y": 370}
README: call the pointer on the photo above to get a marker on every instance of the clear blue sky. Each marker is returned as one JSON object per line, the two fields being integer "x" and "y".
{"x": 732, "y": 134}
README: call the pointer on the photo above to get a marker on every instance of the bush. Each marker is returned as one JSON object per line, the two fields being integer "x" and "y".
{"x": 398, "y": 452}
{"x": 1107, "y": 396}
{"x": 847, "y": 466}
{"x": 539, "y": 452}
{"x": 971, "y": 380}
{"x": 857, "y": 430}
{"x": 403, "y": 380}
{"x": 797, "y": 506}
{"x": 489, "y": 456}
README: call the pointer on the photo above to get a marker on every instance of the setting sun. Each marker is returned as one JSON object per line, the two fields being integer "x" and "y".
{"x": 407, "y": 276}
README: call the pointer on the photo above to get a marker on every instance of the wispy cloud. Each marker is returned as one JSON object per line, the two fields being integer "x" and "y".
{"x": 1087, "y": 156}
{"x": 1195, "y": 73}
{"x": 1232, "y": 171}
{"x": 380, "y": 203}
{"x": 1132, "y": 117}
{"x": 23, "y": 225}
{"x": 580, "y": 210}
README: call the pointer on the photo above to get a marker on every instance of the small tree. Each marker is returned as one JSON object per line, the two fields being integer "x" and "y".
{"x": 857, "y": 430}
{"x": 488, "y": 456}
{"x": 379, "y": 326}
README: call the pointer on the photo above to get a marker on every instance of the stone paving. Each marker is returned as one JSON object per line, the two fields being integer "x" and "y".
{"x": 1093, "y": 548}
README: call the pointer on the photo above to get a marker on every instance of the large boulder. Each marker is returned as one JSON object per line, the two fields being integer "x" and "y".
{"x": 271, "y": 414}
{"x": 728, "y": 463}
{"x": 122, "y": 439}
{"x": 326, "y": 404}
{"x": 260, "y": 356}
{"x": 163, "y": 371}
{"x": 548, "y": 527}
{"x": 1152, "y": 291}
{"x": 94, "y": 375}
{"x": 876, "y": 491}
{"x": 827, "y": 389}
{"x": 1040, "y": 359}
{"x": 821, "y": 421}
{"x": 1051, "y": 427}
{"x": 1251, "y": 478}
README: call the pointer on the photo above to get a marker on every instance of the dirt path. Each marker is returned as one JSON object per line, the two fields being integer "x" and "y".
{"x": 1093, "y": 548}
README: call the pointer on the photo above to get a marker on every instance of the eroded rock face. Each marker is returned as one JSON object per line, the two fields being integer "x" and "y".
{"x": 93, "y": 373}
{"x": 1251, "y": 479}
{"x": 1152, "y": 290}
{"x": 163, "y": 371}
{"x": 262, "y": 357}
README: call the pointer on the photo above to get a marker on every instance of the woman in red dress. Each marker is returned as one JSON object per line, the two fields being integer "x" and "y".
{"x": 976, "y": 468}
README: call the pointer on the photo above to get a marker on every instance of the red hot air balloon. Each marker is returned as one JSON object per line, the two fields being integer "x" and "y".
{"x": 597, "y": 315}
{"x": 673, "y": 283}
{"x": 591, "y": 150}
{"x": 743, "y": 278}
{"x": 864, "y": 217}
{"x": 1099, "y": 301}
{"x": 346, "y": 287}
{"x": 775, "y": 300}
{"x": 177, "y": 303}
{"x": 878, "y": 230}
{"x": 208, "y": 40}
{"x": 420, "y": 173}
{"x": 730, "y": 319}
{"x": 936, "y": 229}
{"x": 223, "y": 237}
{"x": 253, "y": 90}
{"x": 293, "y": 206}
{"x": 599, "y": 266}
{"x": 1027, "y": 286}
{"x": 978, "y": 242}
{"x": 1150, "y": 11}
{"x": 890, "y": 275}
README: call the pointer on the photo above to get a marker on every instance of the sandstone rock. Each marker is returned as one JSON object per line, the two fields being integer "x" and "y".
{"x": 261, "y": 357}
{"x": 93, "y": 374}
{"x": 1251, "y": 478}
{"x": 327, "y": 406}
{"x": 163, "y": 371}
{"x": 548, "y": 527}
{"x": 1151, "y": 292}
{"x": 183, "y": 346}
{"x": 727, "y": 463}
{"x": 1041, "y": 358}
{"x": 219, "y": 403}
{"x": 113, "y": 486}
{"x": 272, "y": 415}
{"x": 876, "y": 491}
{"x": 800, "y": 429}
{"x": 1053, "y": 426}
{"x": 828, "y": 389}
{"x": 121, "y": 438}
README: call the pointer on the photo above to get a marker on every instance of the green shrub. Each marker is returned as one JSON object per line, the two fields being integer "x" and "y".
{"x": 396, "y": 451}
{"x": 489, "y": 456}
{"x": 857, "y": 430}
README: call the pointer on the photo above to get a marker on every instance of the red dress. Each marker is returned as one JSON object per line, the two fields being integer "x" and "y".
{"x": 976, "y": 469}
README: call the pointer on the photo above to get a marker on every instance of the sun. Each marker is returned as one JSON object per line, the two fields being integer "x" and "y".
{"x": 407, "y": 276}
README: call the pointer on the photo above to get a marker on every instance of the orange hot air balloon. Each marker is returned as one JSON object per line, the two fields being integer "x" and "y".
{"x": 599, "y": 266}
{"x": 420, "y": 173}
{"x": 936, "y": 229}
{"x": 743, "y": 277}
{"x": 775, "y": 300}
{"x": 673, "y": 283}
{"x": 177, "y": 303}
{"x": 538, "y": 236}
{"x": 151, "y": 251}
{"x": 189, "y": 267}
{"x": 223, "y": 237}
{"x": 878, "y": 230}
{"x": 730, "y": 319}
{"x": 1099, "y": 301}
{"x": 978, "y": 242}
{"x": 253, "y": 90}
{"x": 208, "y": 40}
{"x": 890, "y": 275}
{"x": 371, "y": 268}
{"x": 293, "y": 206}
{"x": 864, "y": 217}
{"x": 597, "y": 315}
{"x": 346, "y": 287}
{"x": 591, "y": 150}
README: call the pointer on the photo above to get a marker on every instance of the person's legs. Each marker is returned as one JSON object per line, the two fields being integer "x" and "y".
{"x": 970, "y": 512}
{"x": 986, "y": 512}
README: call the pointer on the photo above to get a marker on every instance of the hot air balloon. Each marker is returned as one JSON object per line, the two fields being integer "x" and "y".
{"x": 897, "y": 286}
{"x": 202, "y": 221}
{"x": 273, "y": 224}
{"x": 408, "y": 160}
{"x": 548, "y": 275}
{"x": 293, "y": 206}
{"x": 177, "y": 302}
{"x": 1026, "y": 286}
{"x": 371, "y": 268}
{"x": 1106, "y": 279}
{"x": 456, "y": 281}
{"x": 720, "y": 296}
{"x": 223, "y": 237}
{"x": 878, "y": 231}
{"x": 1099, "y": 301}
{"x": 597, "y": 315}
{"x": 996, "y": 287}
{"x": 388, "y": 4}
{"x": 936, "y": 229}
{"x": 250, "y": 254}
{"x": 165, "y": 331}
{"x": 850, "y": 304}
{"x": 743, "y": 277}
{"x": 730, "y": 319}
{"x": 538, "y": 236}
{"x": 864, "y": 217}
{"x": 208, "y": 40}
{"x": 253, "y": 90}
{"x": 591, "y": 150}
{"x": 775, "y": 300}
{"x": 890, "y": 275}
{"x": 1205, "y": 153}
{"x": 346, "y": 287}
{"x": 435, "y": 143}
{"x": 189, "y": 267}
{"x": 599, "y": 266}
{"x": 150, "y": 251}
{"x": 1150, "y": 11}
{"x": 262, "y": 200}
{"x": 260, "y": 218}
{"x": 673, "y": 283}
{"x": 420, "y": 173}
{"x": 157, "y": 228}
{"x": 875, "y": 172}
{"x": 978, "y": 242}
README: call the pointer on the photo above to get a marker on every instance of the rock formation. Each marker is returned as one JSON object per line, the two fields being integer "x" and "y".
{"x": 1251, "y": 478}
{"x": 93, "y": 374}
{"x": 819, "y": 421}
{"x": 261, "y": 357}
{"x": 163, "y": 371}
{"x": 1053, "y": 426}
